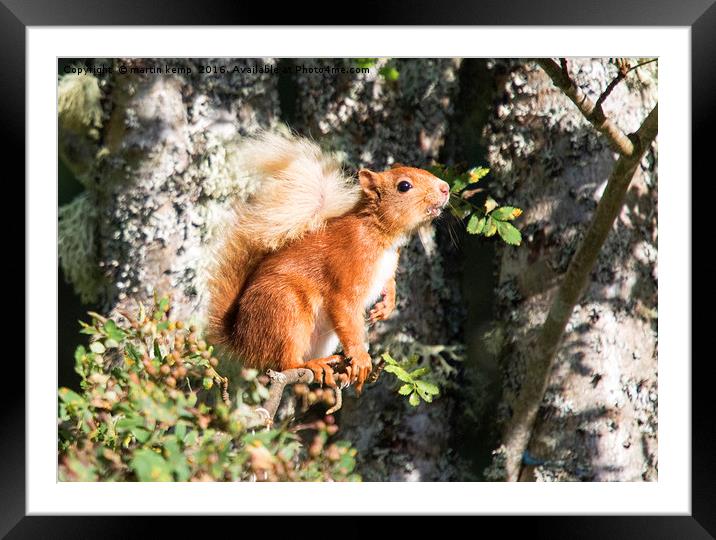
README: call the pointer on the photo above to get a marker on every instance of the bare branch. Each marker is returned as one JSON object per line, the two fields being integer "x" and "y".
{"x": 279, "y": 380}
{"x": 612, "y": 85}
{"x": 339, "y": 401}
{"x": 643, "y": 64}
{"x": 595, "y": 115}
{"x": 539, "y": 366}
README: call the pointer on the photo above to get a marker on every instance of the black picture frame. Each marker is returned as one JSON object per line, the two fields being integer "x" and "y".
{"x": 700, "y": 15}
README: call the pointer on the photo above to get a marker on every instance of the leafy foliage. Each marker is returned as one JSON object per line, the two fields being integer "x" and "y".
{"x": 414, "y": 386}
{"x": 488, "y": 219}
{"x": 153, "y": 407}
{"x": 388, "y": 71}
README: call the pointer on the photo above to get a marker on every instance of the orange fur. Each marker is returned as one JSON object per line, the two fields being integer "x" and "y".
{"x": 284, "y": 300}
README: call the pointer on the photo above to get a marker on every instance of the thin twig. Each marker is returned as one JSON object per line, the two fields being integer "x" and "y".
{"x": 339, "y": 401}
{"x": 642, "y": 64}
{"x": 624, "y": 70}
{"x": 616, "y": 137}
{"x": 225, "y": 391}
{"x": 612, "y": 85}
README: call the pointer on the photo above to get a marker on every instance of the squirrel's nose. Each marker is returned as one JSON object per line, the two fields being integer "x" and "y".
{"x": 445, "y": 190}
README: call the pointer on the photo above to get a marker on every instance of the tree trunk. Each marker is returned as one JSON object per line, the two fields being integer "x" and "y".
{"x": 598, "y": 419}
{"x": 162, "y": 174}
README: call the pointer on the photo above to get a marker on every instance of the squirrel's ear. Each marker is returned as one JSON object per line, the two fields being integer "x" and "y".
{"x": 397, "y": 165}
{"x": 369, "y": 181}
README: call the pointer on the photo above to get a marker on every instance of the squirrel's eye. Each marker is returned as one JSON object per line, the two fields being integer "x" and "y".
{"x": 404, "y": 186}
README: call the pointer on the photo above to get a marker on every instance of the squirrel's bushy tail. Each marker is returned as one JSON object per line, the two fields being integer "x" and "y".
{"x": 299, "y": 188}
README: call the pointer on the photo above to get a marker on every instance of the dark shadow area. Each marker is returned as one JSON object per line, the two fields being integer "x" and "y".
{"x": 473, "y": 257}
{"x": 287, "y": 91}
{"x": 70, "y": 308}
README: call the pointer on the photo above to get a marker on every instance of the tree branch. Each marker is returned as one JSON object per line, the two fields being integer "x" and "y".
{"x": 608, "y": 90}
{"x": 643, "y": 64}
{"x": 592, "y": 111}
{"x": 280, "y": 379}
{"x": 541, "y": 361}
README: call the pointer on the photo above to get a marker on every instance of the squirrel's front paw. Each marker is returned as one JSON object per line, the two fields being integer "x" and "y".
{"x": 380, "y": 312}
{"x": 382, "y": 309}
{"x": 359, "y": 369}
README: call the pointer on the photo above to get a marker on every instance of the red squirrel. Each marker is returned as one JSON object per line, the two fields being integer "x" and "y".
{"x": 309, "y": 253}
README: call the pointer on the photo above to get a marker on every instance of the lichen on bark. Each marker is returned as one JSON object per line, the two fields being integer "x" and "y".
{"x": 599, "y": 418}
{"x": 161, "y": 175}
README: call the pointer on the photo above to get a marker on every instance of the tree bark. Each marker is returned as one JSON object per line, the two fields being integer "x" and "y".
{"x": 162, "y": 174}
{"x": 598, "y": 418}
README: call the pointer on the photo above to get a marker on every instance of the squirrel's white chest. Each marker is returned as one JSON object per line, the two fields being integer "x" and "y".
{"x": 324, "y": 340}
{"x": 382, "y": 272}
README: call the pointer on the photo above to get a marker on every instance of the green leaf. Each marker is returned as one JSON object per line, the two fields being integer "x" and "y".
{"x": 490, "y": 227}
{"x": 69, "y": 397}
{"x": 389, "y": 359}
{"x": 476, "y": 224}
{"x": 490, "y": 204}
{"x": 141, "y": 433}
{"x": 414, "y": 400}
{"x": 477, "y": 173}
{"x": 150, "y": 466}
{"x": 365, "y": 62}
{"x": 509, "y": 233}
{"x": 180, "y": 430}
{"x": 130, "y": 422}
{"x": 419, "y": 372}
{"x": 113, "y": 331}
{"x": 132, "y": 352}
{"x": 87, "y": 329}
{"x": 191, "y": 438}
{"x": 191, "y": 399}
{"x": 157, "y": 350}
{"x": 428, "y": 388}
{"x": 389, "y": 73}
{"x": 399, "y": 372}
{"x": 506, "y": 213}
{"x": 80, "y": 353}
{"x": 164, "y": 325}
{"x": 426, "y": 397}
{"x": 177, "y": 460}
{"x": 163, "y": 305}
{"x": 405, "y": 389}
{"x": 458, "y": 186}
